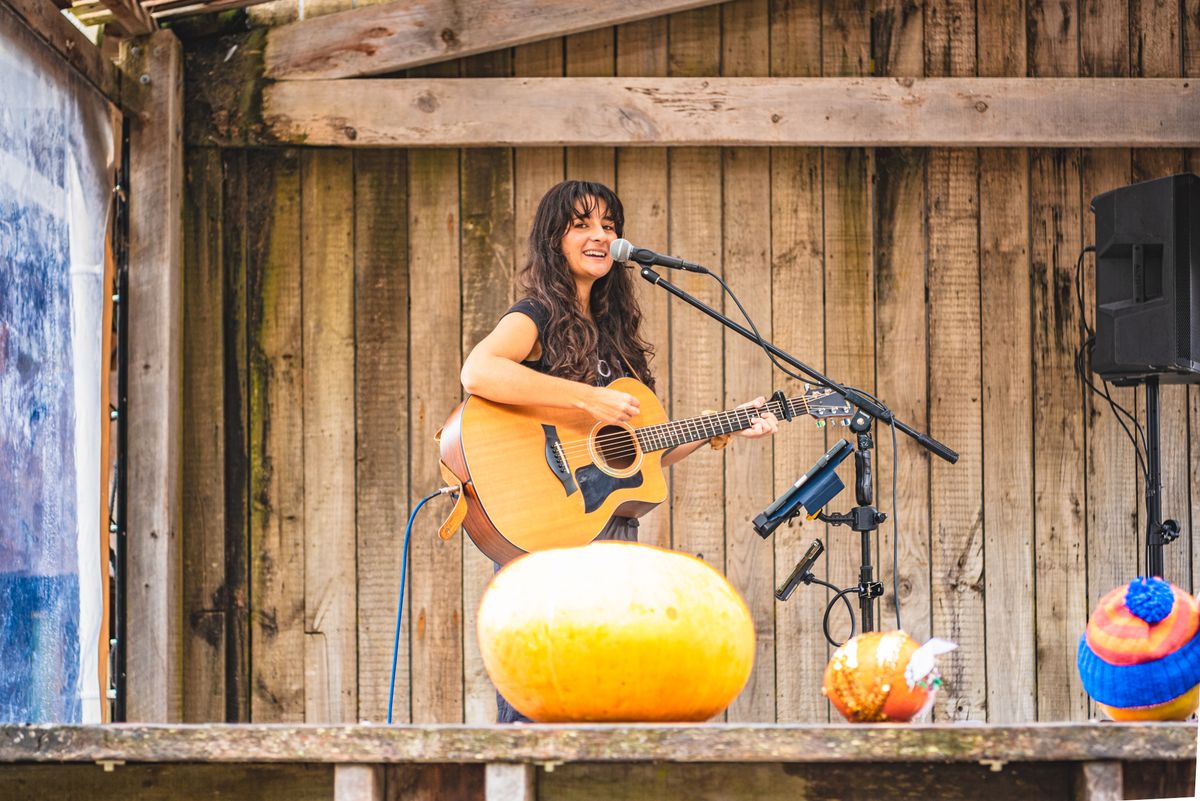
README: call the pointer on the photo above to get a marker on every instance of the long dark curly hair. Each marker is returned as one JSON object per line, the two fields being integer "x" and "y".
{"x": 570, "y": 342}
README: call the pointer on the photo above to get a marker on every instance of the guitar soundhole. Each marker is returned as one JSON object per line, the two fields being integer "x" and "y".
{"x": 616, "y": 448}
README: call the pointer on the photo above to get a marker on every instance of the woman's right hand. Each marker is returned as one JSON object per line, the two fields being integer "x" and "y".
{"x": 610, "y": 405}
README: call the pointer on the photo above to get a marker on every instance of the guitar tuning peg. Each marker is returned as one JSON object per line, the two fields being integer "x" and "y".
{"x": 820, "y": 424}
{"x": 845, "y": 421}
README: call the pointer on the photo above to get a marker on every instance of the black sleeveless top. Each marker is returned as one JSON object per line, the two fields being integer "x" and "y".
{"x": 609, "y": 367}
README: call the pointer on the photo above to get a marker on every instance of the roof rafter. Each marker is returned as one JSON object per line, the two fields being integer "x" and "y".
{"x": 130, "y": 16}
{"x": 379, "y": 39}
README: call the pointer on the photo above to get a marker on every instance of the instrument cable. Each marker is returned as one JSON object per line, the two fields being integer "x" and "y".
{"x": 400, "y": 603}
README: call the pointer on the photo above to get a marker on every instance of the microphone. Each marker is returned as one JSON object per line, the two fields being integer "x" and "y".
{"x": 624, "y": 250}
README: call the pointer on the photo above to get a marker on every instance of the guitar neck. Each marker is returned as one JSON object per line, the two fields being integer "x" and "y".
{"x": 693, "y": 429}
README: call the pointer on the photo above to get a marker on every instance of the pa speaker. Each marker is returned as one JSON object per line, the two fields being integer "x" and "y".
{"x": 1148, "y": 281}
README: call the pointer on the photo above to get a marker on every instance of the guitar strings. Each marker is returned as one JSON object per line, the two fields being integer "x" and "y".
{"x": 689, "y": 425}
{"x": 695, "y": 423}
{"x": 625, "y": 437}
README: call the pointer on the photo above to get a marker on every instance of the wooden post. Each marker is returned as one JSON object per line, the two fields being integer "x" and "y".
{"x": 1098, "y": 781}
{"x": 507, "y": 782}
{"x": 155, "y": 381}
{"x": 358, "y": 783}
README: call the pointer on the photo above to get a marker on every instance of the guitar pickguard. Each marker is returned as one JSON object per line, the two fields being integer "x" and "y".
{"x": 598, "y": 485}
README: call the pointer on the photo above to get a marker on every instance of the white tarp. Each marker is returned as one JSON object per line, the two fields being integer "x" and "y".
{"x": 56, "y": 174}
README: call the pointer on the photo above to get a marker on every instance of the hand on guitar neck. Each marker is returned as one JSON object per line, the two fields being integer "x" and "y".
{"x": 540, "y": 477}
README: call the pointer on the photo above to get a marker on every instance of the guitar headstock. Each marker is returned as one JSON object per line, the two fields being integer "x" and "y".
{"x": 823, "y": 403}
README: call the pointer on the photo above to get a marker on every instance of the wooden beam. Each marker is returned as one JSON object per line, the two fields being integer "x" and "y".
{"x": 821, "y": 743}
{"x": 841, "y": 112}
{"x": 47, "y": 23}
{"x": 130, "y": 16}
{"x": 386, "y": 38}
{"x": 155, "y": 385}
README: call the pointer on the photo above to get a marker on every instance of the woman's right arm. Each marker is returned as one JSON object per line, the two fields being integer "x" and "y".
{"x": 493, "y": 370}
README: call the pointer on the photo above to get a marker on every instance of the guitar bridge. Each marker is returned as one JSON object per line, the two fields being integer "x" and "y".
{"x": 556, "y": 460}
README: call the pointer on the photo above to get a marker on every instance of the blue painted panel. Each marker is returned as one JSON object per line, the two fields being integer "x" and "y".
{"x": 39, "y": 582}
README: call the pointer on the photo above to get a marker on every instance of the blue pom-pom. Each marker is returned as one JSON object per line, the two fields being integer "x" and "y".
{"x": 1151, "y": 599}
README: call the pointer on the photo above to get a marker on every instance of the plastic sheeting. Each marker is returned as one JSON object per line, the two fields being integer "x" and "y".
{"x": 56, "y": 157}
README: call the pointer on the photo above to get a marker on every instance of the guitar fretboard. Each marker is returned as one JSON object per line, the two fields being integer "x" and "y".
{"x": 680, "y": 432}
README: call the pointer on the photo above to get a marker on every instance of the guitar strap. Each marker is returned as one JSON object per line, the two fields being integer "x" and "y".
{"x": 459, "y": 512}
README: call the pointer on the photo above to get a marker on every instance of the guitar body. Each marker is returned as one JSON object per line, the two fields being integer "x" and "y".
{"x": 537, "y": 477}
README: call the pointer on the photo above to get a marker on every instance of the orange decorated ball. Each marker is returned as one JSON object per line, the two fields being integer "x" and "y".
{"x": 866, "y": 679}
{"x": 615, "y": 631}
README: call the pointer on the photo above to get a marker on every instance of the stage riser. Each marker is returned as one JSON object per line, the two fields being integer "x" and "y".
{"x": 601, "y": 782}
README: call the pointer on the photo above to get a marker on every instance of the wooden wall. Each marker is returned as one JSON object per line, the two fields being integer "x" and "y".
{"x": 331, "y": 296}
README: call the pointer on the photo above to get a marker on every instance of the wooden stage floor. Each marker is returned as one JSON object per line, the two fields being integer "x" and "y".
{"x": 591, "y": 762}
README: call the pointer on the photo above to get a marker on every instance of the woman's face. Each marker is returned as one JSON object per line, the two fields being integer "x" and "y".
{"x": 585, "y": 245}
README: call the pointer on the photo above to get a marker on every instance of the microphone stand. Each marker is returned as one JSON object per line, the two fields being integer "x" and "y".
{"x": 863, "y": 518}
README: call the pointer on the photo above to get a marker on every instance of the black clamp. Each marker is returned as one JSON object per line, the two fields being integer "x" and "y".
{"x": 778, "y": 397}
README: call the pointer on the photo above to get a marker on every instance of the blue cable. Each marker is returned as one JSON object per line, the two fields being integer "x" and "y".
{"x": 400, "y": 604}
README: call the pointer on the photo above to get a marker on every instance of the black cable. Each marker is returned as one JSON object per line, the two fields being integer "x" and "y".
{"x": 1083, "y": 371}
{"x": 895, "y": 534}
{"x": 891, "y": 421}
{"x": 829, "y": 608}
{"x": 757, "y": 336}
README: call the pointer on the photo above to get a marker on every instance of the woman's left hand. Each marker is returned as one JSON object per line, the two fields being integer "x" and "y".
{"x": 764, "y": 424}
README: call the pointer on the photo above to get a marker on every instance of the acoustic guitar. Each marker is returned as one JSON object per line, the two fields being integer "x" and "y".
{"x": 536, "y": 477}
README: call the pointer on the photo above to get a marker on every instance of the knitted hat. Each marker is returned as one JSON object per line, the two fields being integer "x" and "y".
{"x": 1140, "y": 647}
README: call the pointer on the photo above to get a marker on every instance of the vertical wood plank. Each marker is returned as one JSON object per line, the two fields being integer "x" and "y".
{"x": 487, "y": 279}
{"x": 849, "y": 278}
{"x": 697, "y": 491}
{"x": 1190, "y": 34}
{"x": 1060, "y": 538}
{"x": 902, "y": 343}
{"x": 642, "y": 184}
{"x": 798, "y": 323}
{"x": 746, "y": 238}
{"x": 153, "y": 525}
{"x": 236, "y": 594}
{"x": 435, "y": 289}
{"x": 535, "y": 169}
{"x": 276, "y": 437}
{"x": 381, "y": 358}
{"x": 1112, "y": 473}
{"x": 510, "y": 782}
{"x": 1098, "y": 781}
{"x": 955, "y": 367}
{"x": 1154, "y": 51}
{"x": 203, "y": 466}
{"x": 1007, "y": 356}
{"x": 358, "y": 783}
{"x": 330, "y": 575}
{"x": 591, "y": 54}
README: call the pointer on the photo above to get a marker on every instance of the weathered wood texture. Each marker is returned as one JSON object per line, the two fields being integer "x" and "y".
{"x": 155, "y": 403}
{"x": 395, "y": 36}
{"x": 1068, "y": 781}
{"x": 45, "y": 22}
{"x": 647, "y": 743}
{"x": 953, "y": 112}
{"x": 942, "y": 278}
